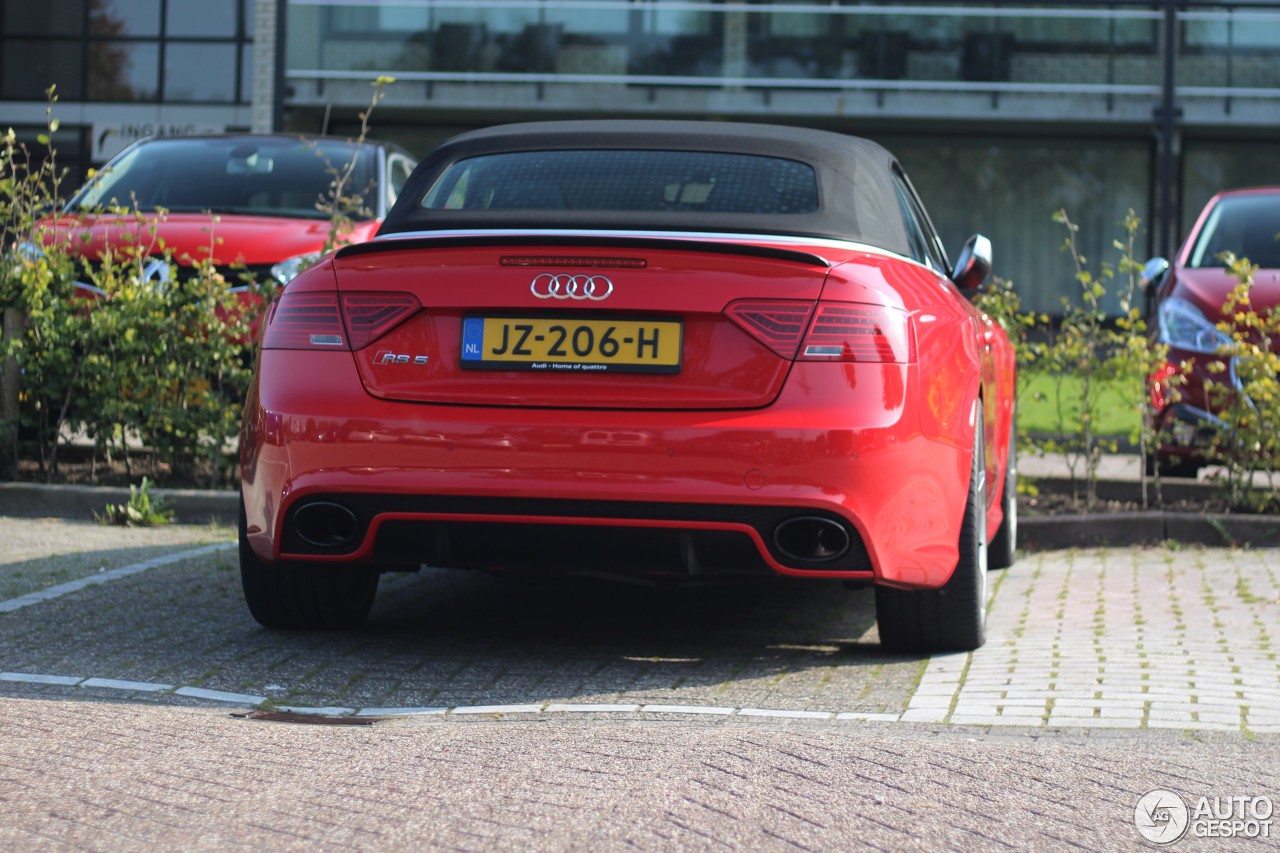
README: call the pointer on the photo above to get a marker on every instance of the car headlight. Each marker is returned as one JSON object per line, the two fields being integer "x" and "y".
{"x": 1184, "y": 326}
{"x": 288, "y": 269}
{"x": 28, "y": 249}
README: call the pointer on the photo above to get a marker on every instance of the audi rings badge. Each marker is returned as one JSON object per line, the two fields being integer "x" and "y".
{"x": 571, "y": 286}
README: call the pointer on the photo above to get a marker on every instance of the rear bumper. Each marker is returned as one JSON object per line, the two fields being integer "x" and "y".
{"x": 656, "y": 492}
{"x": 540, "y": 536}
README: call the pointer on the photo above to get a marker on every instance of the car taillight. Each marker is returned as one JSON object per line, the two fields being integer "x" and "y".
{"x": 835, "y": 331}
{"x": 778, "y": 325}
{"x": 868, "y": 333}
{"x": 305, "y": 321}
{"x": 327, "y": 320}
{"x": 1161, "y": 385}
{"x": 369, "y": 316}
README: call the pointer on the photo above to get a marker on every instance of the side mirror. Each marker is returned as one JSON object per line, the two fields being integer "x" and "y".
{"x": 974, "y": 263}
{"x": 1152, "y": 275}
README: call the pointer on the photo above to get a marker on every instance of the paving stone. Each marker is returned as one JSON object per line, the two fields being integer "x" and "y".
{"x": 436, "y": 640}
{"x": 1120, "y": 712}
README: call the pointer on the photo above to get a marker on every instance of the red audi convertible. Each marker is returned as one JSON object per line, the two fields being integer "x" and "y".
{"x": 660, "y": 350}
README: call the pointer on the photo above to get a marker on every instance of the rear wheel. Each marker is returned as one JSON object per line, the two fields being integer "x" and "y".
{"x": 304, "y": 595}
{"x": 1003, "y": 549}
{"x": 953, "y": 617}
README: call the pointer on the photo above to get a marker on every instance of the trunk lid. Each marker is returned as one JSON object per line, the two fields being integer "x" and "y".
{"x": 580, "y": 323}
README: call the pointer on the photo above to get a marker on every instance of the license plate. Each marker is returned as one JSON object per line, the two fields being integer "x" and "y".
{"x": 571, "y": 344}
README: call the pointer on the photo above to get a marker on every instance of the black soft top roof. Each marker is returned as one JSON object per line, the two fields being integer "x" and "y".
{"x": 856, "y": 196}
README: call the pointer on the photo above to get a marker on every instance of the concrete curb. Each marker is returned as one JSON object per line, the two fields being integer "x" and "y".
{"x": 1035, "y": 533}
{"x": 1055, "y": 532}
{"x": 190, "y": 506}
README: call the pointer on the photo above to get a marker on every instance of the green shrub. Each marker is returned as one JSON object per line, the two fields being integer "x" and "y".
{"x": 1247, "y": 446}
{"x": 46, "y": 330}
{"x": 142, "y": 510}
{"x": 167, "y": 363}
{"x": 1071, "y": 376}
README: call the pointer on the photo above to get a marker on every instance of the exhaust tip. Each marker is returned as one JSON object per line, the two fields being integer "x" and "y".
{"x": 324, "y": 524}
{"x": 811, "y": 539}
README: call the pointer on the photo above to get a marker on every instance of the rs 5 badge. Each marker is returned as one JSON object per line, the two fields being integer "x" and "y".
{"x": 386, "y": 356}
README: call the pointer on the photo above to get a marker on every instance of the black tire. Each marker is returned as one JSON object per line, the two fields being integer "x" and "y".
{"x": 952, "y": 618}
{"x": 1003, "y": 550}
{"x": 299, "y": 595}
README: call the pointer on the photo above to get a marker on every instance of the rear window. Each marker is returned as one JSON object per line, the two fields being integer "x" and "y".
{"x": 625, "y": 180}
{"x": 1247, "y": 225}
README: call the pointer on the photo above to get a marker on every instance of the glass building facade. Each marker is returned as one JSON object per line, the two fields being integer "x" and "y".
{"x": 147, "y": 51}
{"x": 124, "y": 69}
{"x": 1003, "y": 111}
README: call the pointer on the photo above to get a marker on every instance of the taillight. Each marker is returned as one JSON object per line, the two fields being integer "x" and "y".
{"x": 305, "y": 321}
{"x": 1161, "y": 386}
{"x": 835, "y": 331}
{"x": 778, "y": 325}
{"x": 327, "y": 320}
{"x": 369, "y": 316}
{"x": 868, "y": 333}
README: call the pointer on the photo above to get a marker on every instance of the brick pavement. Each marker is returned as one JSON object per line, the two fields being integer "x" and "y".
{"x": 1121, "y": 639}
{"x": 1101, "y": 639}
{"x": 575, "y": 716}
{"x": 104, "y": 776}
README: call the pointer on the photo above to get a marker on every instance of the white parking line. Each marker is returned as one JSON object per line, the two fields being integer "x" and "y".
{"x": 220, "y": 696}
{"x": 786, "y": 715}
{"x": 688, "y": 709}
{"x": 401, "y": 712}
{"x": 498, "y": 709}
{"x": 114, "y": 574}
{"x": 117, "y": 684}
{"x": 460, "y": 710}
{"x": 942, "y": 673}
{"x": 35, "y": 678}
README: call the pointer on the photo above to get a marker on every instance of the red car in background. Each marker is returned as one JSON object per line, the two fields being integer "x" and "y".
{"x": 263, "y": 190}
{"x": 664, "y": 350}
{"x": 1190, "y": 294}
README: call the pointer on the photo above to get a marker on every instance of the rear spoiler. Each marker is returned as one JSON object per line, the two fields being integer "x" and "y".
{"x": 399, "y": 243}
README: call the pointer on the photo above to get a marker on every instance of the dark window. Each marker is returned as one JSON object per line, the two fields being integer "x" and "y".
{"x": 111, "y": 50}
{"x": 269, "y": 176}
{"x": 934, "y": 250}
{"x": 200, "y": 72}
{"x": 627, "y": 180}
{"x": 398, "y": 169}
{"x": 917, "y": 228}
{"x": 199, "y": 19}
{"x": 123, "y": 71}
{"x": 245, "y": 94}
{"x": 44, "y": 18}
{"x": 31, "y": 66}
{"x": 125, "y": 18}
{"x": 1249, "y": 226}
